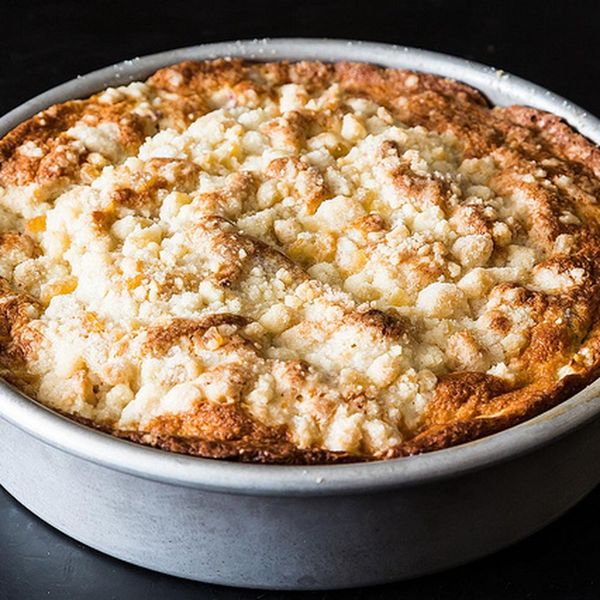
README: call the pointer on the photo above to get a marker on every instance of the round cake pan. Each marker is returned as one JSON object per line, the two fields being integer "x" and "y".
{"x": 301, "y": 527}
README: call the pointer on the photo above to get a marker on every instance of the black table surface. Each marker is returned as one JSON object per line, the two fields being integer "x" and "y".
{"x": 552, "y": 43}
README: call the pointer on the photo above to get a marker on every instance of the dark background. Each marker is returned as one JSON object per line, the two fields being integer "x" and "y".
{"x": 555, "y": 44}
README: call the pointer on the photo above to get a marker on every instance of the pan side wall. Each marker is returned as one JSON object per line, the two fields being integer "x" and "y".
{"x": 291, "y": 542}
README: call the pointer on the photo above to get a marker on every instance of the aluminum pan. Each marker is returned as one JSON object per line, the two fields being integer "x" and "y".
{"x": 215, "y": 475}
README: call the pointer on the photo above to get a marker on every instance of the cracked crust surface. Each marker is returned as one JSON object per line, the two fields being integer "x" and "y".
{"x": 298, "y": 262}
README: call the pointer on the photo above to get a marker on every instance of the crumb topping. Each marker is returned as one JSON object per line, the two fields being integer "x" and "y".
{"x": 283, "y": 259}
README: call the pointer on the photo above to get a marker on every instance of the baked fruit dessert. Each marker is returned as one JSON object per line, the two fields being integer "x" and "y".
{"x": 298, "y": 262}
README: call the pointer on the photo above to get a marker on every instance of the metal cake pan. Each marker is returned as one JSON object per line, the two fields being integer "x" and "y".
{"x": 317, "y": 527}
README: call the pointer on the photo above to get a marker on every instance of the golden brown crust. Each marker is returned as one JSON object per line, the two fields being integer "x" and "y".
{"x": 550, "y": 169}
{"x": 518, "y": 407}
